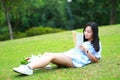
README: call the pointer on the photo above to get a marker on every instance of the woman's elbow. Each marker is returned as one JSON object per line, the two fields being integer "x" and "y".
{"x": 95, "y": 60}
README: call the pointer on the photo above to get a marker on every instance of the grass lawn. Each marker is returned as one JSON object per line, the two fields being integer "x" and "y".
{"x": 13, "y": 51}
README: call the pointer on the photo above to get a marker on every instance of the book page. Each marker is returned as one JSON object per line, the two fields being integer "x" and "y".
{"x": 77, "y": 38}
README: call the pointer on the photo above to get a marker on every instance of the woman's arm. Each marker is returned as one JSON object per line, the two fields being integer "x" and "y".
{"x": 90, "y": 56}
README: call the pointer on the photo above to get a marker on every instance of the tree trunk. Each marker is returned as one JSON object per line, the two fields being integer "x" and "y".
{"x": 113, "y": 11}
{"x": 70, "y": 15}
{"x": 7, "y": 18}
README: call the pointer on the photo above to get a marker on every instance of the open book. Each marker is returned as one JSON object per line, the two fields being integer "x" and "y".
{"x": 77, "y": 38}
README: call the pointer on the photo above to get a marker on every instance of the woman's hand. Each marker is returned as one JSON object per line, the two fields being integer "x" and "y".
{"x": 83, "y": 48}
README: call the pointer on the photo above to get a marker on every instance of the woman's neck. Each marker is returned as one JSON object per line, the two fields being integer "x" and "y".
{"x": 90, "y": 40}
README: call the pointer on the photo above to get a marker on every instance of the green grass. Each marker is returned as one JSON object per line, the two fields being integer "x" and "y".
{"x": 13, "y": 51}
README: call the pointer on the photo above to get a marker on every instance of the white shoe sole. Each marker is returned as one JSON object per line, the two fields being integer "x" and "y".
{"x": 17, "y": 71}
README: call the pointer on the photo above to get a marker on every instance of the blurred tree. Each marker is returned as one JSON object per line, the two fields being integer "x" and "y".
{"x": 24, "y": 14}
{"x": 113, "y": 11}
{"x": 6, "y": 8}
{"x": 90, "y": 10}
{"x": 9, "y": 6}
{"x": 54, "y": 14}
{"x": 114, "y": 4}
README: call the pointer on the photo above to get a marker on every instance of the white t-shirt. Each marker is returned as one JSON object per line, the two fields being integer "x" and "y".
{"x": 79, "y": 58}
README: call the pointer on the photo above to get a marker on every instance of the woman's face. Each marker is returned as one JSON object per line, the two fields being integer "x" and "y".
{"x": 88, "y": 33}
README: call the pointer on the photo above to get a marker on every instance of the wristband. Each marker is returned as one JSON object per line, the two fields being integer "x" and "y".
{"x": 87, "y": 51}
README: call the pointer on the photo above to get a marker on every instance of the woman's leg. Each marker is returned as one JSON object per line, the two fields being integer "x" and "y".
{"x": 55, "y": 58}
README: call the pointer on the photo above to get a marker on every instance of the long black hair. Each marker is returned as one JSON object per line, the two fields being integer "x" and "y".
{"x": 95, "y": 41}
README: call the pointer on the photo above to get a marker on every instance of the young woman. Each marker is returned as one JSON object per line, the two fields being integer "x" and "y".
{"x": 89, "y": 51}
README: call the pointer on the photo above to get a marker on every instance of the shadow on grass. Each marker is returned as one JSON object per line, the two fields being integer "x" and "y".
{"x": 20, "y": 75}
{"x": 54, "y": 69}
{"x": 39, "y": 71}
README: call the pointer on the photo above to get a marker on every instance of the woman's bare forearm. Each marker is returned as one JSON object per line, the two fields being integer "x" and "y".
{"x": 91, "y": 57}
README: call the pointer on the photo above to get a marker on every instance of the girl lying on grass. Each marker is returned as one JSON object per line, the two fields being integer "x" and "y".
{"x": 88, "y": 52}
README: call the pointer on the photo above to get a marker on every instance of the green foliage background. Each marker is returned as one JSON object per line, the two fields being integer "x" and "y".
{"x": 24, "y": 14}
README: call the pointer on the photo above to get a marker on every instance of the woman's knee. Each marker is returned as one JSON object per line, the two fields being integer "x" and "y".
{"x": 47, "y": 54}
